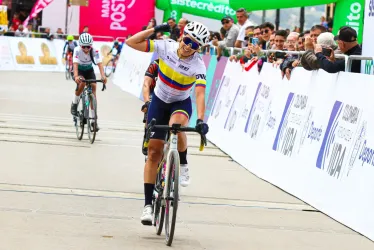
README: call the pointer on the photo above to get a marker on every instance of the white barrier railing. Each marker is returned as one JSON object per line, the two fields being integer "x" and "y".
{"x": 312, "y": 136}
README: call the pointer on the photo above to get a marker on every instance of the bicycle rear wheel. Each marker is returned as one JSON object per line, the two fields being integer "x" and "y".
{"x": 108, "y": 68}
{"x": 79, "y": 120}
{"x": 92, "y": 121}
{"x": 158, "y": 208}
{"x": 172, "y": 197}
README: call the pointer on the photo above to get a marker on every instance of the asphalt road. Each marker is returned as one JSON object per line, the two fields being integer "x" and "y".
{"x": 60, "y": 193}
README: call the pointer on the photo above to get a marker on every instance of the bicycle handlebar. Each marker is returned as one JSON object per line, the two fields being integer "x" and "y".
{"x": 89, "y": 81}
{"x": 175, "y": 128}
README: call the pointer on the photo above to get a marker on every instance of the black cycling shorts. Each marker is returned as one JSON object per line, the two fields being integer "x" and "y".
{"x": 162, "y": 112}
{"x": 86, "y": 74}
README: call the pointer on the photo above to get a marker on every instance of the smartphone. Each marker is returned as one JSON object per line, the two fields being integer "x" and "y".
{"x": 326, "y": 52}
{"x": 254, "y": 40}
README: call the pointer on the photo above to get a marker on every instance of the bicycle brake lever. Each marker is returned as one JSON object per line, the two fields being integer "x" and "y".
{"x": 104, "y": 87}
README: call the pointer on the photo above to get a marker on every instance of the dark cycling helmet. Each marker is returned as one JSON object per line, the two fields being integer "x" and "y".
{"x": 116, "y": 43}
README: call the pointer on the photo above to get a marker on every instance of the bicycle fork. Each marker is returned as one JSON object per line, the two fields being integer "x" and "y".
{"x": 173, "y": 150}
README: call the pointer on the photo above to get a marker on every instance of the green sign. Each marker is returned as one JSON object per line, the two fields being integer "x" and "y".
{"x": 211, "y": 9}
{"x": 348, "y": 12}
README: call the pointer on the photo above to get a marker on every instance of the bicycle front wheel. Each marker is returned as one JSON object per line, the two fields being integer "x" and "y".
{"x": 79, "y": 120}
{"x": 158, "y": 208}
{"x": 108, "y": 68}
{"x": 92, "y": 121}
{"x": 172, "y": 196}
{"x": 67, "y": 71}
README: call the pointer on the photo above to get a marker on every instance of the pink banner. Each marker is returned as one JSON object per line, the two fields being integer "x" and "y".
{"x": 116, "y": 18}
{"x": 39, "y": 6}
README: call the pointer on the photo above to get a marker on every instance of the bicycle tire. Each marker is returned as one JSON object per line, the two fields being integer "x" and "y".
{"x": 92, "y": 122}
{"x": 173, "y": 185}
{"x": 107, "y": 67}
{"x": 67, "y": 71}
{"x": 159, "y": 210}
{"x": 79, "y": 120}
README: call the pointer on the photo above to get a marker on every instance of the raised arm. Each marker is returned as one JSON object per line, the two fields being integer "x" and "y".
{"x": 138, "y": 41}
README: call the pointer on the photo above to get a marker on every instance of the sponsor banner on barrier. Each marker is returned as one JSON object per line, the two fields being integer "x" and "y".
{"x": 309, "y": 136}
{"x": 38, "y": 54}
{"x": 33, "y": 54}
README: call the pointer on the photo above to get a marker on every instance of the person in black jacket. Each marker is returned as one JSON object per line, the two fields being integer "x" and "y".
{"x": 347, "y": 41}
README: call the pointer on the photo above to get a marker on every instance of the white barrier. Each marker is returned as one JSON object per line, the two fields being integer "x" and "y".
{"x": 312, "y": 136}
{"x": 39, "y": 54}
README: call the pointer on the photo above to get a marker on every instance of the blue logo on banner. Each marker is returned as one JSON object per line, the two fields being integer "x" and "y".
{"x": 283, "y": 124}
{"x": 253, "y": 105}
{"x": 371, "y": 8}
{"x": 328, "y": 139}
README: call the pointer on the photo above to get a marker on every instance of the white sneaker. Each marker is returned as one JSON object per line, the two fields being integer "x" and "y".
{"x": 147, "y": 215}
{"x": 185, "y": 176}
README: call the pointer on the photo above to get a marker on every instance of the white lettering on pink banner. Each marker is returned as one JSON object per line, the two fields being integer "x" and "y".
{"x": 115, "y": 10}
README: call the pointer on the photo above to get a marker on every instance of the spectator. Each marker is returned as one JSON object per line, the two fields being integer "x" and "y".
{"x": 59, "y": 33}
{"x": 47, "y": 34}
{"x": 290, "y": 61}
{"x": 174, "y": 31}
{"x": 248, "y": 35}
{"x": 243, "y": 23}
{"x": 20, "y": 31}
{"x": 232, "y": 32}
{"x": 315, "y": 31}
{"x": 181, "y": 24}
{"x": 309, "y": 60}
{"x": 348, "y": 45}
{"x": 152, "y": 23}
{"x": 329, "y": 24}
{"x": 271, "y": 41}
{"x": 15, "y": 21}
{"x": 300, "y": 42}
{"x": 323, "y": 22}
{"x": 267, "y": 30}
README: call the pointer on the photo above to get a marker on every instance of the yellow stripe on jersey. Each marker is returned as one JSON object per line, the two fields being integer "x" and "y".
{"x": 200, "y": 83}
{"x": 150, "y": 46}
{"x": 173, "y": 78}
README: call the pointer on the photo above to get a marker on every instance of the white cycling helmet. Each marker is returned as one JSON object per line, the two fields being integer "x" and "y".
{"x": 85, "y": 39}
{"x": 198, "y": 31}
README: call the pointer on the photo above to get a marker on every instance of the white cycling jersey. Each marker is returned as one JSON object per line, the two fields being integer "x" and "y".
{"x": 176, "y": 76}
{"x": 84, "y": 60}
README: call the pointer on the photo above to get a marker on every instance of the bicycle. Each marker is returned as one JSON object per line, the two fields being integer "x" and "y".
{"x": 166, "y": 193}
{"x": 110, "y": 67}
{"x": 86, "y": 100}
{"x": 68, "y": 66}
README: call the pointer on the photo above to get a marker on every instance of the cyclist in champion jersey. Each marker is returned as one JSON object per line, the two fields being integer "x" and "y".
{"x": 180, "y": 68}
{"x": 69, "y": 47}
{"x": 83, "y": 58}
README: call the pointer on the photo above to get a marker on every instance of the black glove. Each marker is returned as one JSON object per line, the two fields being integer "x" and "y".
{"x": 162, "y": 27}
{"x": 202, "y": 127}
{"x": 145, "y": 106}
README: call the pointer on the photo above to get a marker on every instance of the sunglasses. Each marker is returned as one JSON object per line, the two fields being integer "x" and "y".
{"x": 189, "y": 41}
{"x": 225, "y": 22}
{"x": 86, "y": 47}
{"x": 265, "y": 31}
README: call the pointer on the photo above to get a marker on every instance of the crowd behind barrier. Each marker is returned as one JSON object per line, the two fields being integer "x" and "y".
{"x": 312, "y": 135}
